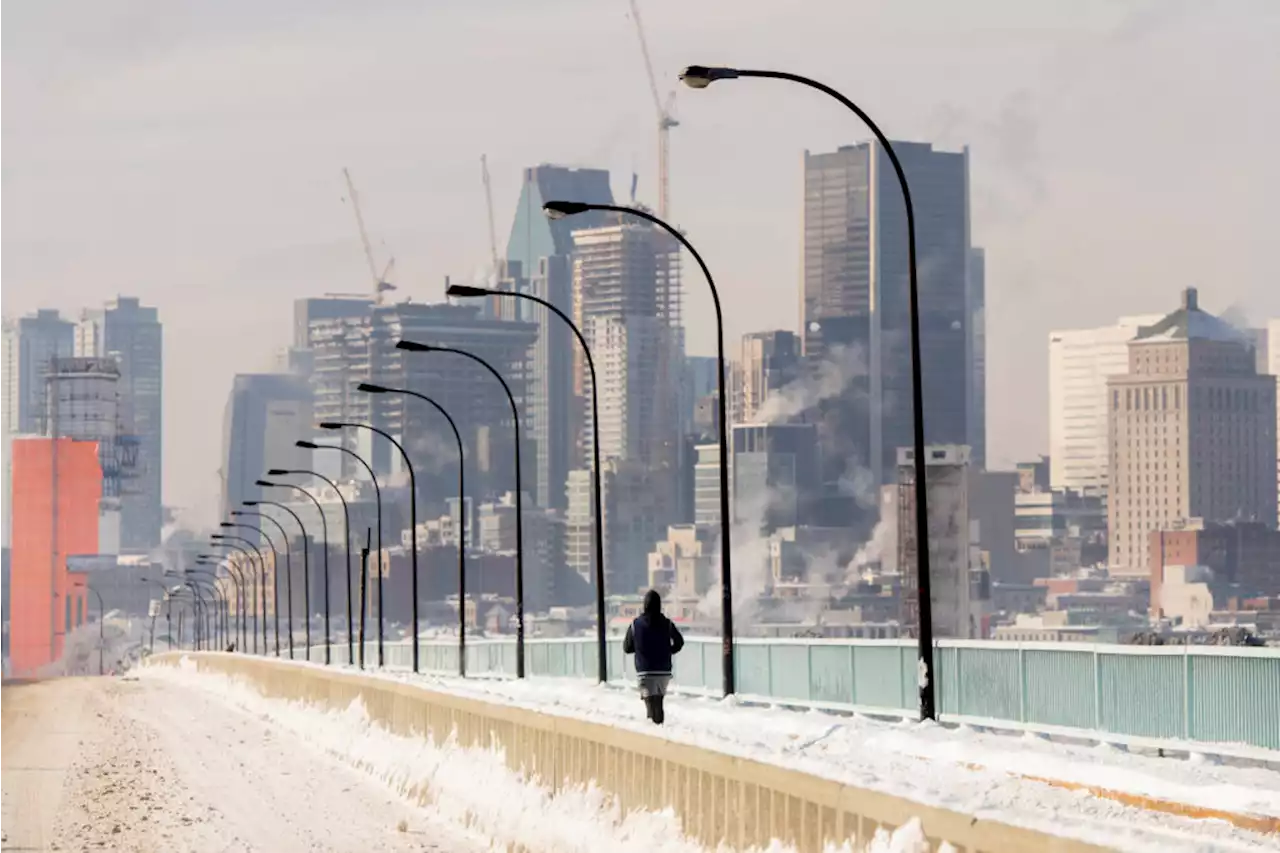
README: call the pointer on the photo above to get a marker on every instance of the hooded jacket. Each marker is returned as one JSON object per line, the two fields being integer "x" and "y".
{"x": 652, "y": 638}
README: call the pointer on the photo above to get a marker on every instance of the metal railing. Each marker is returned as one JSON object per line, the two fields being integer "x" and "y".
{"x": 1224, "y": 698}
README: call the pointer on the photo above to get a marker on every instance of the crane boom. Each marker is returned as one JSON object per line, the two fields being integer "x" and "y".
{"x": 364, "y": 235}
{"x": 488, "y": 198}
{"x": 665, "y": 120}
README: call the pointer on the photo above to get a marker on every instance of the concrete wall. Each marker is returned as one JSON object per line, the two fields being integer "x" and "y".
{"x": 717, "y": 797}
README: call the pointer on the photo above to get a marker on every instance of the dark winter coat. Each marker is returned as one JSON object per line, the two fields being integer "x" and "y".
{"x": 652, "y": 638}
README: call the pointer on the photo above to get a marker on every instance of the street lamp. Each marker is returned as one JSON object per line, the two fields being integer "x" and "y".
{"x": 203, "y": 578}
{"x": 275, "y": 562}
{"x": 377, "y": 494}
{"x": 413, "y": 346}
{"x": 262, "y": 575}
{"x": 601, "y": 626}
{"x": 324, "y": 533}
{"x": 237, "y": 580}
{"x": 560, "y": 209}
{"x": 221, "y": 540}
{"x": 346, "y": 526}
{"x": 306, "y": 569}
{"x": 462, "y": 516}
{"x": 699, "y": 77}
{"x": 413, "y": 531}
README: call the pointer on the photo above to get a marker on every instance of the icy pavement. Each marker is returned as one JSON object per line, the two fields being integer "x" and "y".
{"x": 140, "y": 765}
{"x": 962, "y": 770}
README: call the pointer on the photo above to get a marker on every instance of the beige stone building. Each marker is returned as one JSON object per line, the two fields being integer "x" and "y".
{"x": 1192, "y": 430}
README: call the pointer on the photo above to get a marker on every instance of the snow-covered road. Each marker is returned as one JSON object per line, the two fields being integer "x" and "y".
{"x": 139, "y": 765}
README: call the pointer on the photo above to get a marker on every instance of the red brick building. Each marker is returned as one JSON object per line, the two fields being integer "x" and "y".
{"x": 1245, "y": 555}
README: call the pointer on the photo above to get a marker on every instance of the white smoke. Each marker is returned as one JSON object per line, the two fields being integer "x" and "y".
{"x": 832, "y": 376}
{"x": 749, "y": 554}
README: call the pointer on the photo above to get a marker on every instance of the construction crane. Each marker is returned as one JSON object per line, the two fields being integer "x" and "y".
{"x": 665, "y": 120}
{"x": 380, "y": 283}
{"x": 493, "y": 233}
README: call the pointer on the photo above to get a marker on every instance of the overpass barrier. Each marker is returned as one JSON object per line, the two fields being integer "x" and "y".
{"x": 1216, "y": 699}
{"x": 718, "y": 799}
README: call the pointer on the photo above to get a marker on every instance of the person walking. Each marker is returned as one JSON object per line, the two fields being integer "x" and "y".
{"x": 653, "y": 639}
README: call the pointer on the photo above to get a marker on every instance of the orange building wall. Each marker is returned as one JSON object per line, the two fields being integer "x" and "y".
{"x": 40, "y": 586}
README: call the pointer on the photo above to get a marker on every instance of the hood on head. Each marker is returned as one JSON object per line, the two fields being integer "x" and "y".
{"x": 652, "y": 602}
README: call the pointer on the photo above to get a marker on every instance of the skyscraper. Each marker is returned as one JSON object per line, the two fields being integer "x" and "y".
{"x": 1080, "y": 362}
{"x": 976, "y": 357}
{"x": 30, "y": 343}
{"x": 854, "y": 305}
{"x": 538, "y": 263}
{"x": 266, "y": 413}
{"x": 768, "y": 362}
{"x": 1192, "y": 431}
{"x": 626, "y": 300}
{"x": 132, "y": 335}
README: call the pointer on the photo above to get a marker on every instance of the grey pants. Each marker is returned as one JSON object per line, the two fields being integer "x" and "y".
{"x": 653, "y": 684}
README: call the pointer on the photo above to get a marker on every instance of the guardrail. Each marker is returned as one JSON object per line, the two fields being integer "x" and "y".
{"x": 1215, "y": 699}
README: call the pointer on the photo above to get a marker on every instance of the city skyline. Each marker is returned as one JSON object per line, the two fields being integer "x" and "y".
{"x": 1038, "y": 166}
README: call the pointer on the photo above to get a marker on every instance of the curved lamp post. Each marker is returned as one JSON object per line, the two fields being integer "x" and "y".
{"x": 227, "y": 541}
{"x": 207, "y": 580}
{"x": 259, "y": 604}
{"x": 462, "y": 516}
{"x": 324, "y": 533}
{"x": 151, "y": 641}
{"x": 560, "y": 209}
{"x": 288, "y": 581}
{"x": 601, "y": 626}
{"x": 701, "y": 76}
{"x": 377, "y": 494}
{"x": 237, "y": 581}
{"x": 413, "y": 530}
{"x": 346, "y": 527}
{"x": 306, "y": 582}
{"x": 275, "y": 564}
{"x": 413, "y": 346}
{"x": 262, "y": 577}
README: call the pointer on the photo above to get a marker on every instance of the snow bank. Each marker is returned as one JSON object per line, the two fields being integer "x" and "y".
{"x": 474, "y": 788}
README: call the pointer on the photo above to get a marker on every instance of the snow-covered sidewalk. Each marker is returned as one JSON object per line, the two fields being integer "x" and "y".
{"x": 978, "y": 773}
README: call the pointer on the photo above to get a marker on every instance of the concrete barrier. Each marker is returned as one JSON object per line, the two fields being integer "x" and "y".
{"x": 718, "y": 798}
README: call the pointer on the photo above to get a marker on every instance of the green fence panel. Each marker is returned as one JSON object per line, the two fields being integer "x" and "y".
{"x": 1059, "y": 688}
{"x": 877, "y": 677}
{"x": 1142, "y": 694}
{"x": 789, "y": 671}
{"x": 831, "y": 674}
{"x": 752, "y": 670}
{"x": 1235, "y": 699}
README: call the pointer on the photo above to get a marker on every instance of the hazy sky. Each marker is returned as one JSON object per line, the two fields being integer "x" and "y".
{"x": 191, "y": 154}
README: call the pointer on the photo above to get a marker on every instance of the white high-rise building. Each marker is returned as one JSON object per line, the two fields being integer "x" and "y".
{"x": 1080, "y": 361}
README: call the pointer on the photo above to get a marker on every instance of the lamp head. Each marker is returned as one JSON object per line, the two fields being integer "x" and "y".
{"x": 327, "y": 425}
{"x": 372, "y": 389}
{"x": 702, "y": 76}
{"x": 226, "y": 523}
{"x": 466, "y": 290}
{"x": 561, "y": 209}
{"x": 413, "y": 346}
{"x": 217, "y": 536}
{"x": 306, "y": 445}
{"x": 249, "y": 503}
{"x": 266, "y": 483}
{"x": 277, "y": 472}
